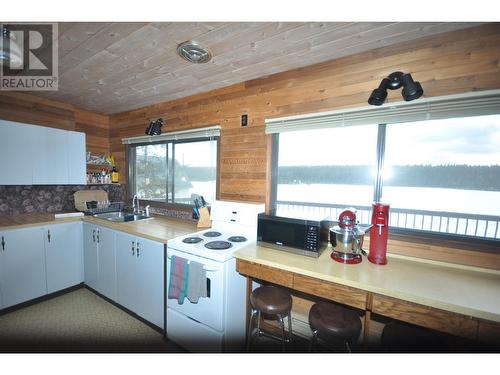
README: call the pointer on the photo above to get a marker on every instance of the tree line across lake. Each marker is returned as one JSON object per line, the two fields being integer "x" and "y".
{"x": 463, "y": 177}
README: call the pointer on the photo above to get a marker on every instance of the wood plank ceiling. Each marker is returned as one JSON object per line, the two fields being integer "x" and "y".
{"x": 114, "y": 67}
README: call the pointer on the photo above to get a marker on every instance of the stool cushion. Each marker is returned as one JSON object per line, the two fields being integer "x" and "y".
{"x": 334, "y": 321}
{"x": 271, "y": 300}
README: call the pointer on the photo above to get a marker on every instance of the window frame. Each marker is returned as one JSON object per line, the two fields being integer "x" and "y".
{"x": 411, "y": 235}
{"x": 131, "y": 166}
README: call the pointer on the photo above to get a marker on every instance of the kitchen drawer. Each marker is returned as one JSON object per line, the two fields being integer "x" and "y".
{"x": 335, "y": 292}
{"x": 429, "y": 317}
{"x": 258, "y": 271}
{"x": 489, "y": 332}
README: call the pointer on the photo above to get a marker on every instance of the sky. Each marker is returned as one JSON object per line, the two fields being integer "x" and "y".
{"x": 472, "y": 141}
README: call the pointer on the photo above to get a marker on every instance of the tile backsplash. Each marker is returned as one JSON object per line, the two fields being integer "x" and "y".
{"x": 48, "y": 198}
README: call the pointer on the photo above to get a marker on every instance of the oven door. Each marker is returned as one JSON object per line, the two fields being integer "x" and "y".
{"x": 209, "y": 310}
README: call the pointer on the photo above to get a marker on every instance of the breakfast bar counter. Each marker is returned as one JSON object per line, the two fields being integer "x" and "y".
{"x": 460, "y": 300}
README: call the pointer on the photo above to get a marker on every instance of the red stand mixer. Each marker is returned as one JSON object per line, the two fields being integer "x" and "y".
{"x": 347, "y": 238}
{"x": 379, "y": 233}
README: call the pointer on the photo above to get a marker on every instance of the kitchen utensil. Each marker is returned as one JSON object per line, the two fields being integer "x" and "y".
{"x": 347, "y": 238}
{"x": 379, "y": 233}
{"x": 195, "y": 199}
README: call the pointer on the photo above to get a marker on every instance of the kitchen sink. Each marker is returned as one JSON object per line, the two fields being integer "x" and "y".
{"x": 121, "y": 217}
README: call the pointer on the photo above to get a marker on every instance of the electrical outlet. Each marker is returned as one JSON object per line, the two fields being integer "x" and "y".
{"x": 244, "y": 120}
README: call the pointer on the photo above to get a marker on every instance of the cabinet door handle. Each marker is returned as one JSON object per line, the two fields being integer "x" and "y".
{"x": 137, "y": 249}
{"x": 48, "y": 235}
{"x": 98, "y": 235}
{"x": 133, "y": 249}
{"x": 93, "y": 234}
{"x": 3, "y": 244}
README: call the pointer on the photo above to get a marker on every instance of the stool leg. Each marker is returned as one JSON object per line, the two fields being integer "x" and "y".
{"x": 250, "y": 331}
{"x": 258, "y": 323}
{"x": 348, "y": 346}
{"x": 314, "y": 337}
{"x": 290, "y": 327}
{"x": 282, "y": 326}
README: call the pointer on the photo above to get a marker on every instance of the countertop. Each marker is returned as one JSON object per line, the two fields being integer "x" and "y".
{"x": 459, "y": 289}
{"x": 157, "y": 228}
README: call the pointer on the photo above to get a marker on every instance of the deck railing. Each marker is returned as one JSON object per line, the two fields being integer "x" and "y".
{"x": 479, "y": 226}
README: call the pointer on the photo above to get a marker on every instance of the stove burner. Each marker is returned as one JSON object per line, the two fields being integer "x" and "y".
{"x": 237, "y": 239}
{"x": 212, "y": 234}
{"x": 192, "y": 239}
{"x": 218, "y": 245}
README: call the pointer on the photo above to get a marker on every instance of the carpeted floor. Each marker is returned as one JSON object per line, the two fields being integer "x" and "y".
{"x": 79, "y": 321}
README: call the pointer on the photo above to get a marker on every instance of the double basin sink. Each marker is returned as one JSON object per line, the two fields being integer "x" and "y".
{"x": 121, "y": 217}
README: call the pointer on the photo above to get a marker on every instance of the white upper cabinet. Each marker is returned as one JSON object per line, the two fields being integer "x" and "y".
{"x": 75, "y": 150}
{"x": 50, "y": 166}
{"x": 15, "y": 153}
{"x": 38, "y": 155}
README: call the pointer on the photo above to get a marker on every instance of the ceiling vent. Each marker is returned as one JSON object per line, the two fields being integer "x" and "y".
{"x": 194, "y": 52}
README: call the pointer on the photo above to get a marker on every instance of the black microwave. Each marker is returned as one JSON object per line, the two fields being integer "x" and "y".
{"x": 303, "y": 233}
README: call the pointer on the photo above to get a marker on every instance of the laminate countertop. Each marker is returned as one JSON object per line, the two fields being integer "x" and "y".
{"x": 156, "y": 228}
{"x": 464, "y": 290}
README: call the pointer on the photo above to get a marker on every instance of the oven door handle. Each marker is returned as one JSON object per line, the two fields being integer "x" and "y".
{"x": 206, "y": 269}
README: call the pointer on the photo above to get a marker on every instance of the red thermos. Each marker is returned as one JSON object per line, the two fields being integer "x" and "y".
{"x": 379, "y": 233}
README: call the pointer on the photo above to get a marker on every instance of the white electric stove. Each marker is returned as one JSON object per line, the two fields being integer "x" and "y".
{"x": 216, "y": 323}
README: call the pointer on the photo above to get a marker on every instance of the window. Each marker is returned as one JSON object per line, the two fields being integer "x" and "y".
{"x": 437, "y": 175}
{"x": 327, "y": 165}
{"x": 171, "y": 171}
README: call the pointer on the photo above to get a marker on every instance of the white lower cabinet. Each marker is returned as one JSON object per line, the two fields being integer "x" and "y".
{"x": 22, "y": 265}
{"x": 140, "y": 276}
{"x": 63, "y": 255}
{"x": 99, "y": 259}
{"x": 106, "y": 262}
{"x": 39, "y": 260}
{"x": 90, "y": 261}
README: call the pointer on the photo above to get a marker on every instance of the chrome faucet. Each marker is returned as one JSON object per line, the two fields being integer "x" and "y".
{"x": 134, "y": 199}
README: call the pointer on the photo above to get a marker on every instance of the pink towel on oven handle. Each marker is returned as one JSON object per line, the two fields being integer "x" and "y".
{"x": 178, "y": 279}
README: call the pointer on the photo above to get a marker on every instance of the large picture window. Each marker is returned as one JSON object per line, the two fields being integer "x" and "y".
{"x": 171, "y": 171}
{"x": 437, "y": 175}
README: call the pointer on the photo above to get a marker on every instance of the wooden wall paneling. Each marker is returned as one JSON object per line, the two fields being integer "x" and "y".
{"x": 444, "y": 252}
{"x": 96, "y": 128}
{"x": 448, "y": 63}
{"x": 20, "y": 107}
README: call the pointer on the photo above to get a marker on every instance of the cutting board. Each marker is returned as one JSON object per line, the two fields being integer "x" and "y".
{"x": 83, "y": 196}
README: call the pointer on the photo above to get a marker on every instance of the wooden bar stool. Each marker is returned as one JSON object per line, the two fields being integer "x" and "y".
{"x": 270, "y": 302}
{"x": 333, "y": 324}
